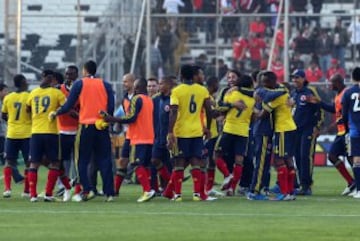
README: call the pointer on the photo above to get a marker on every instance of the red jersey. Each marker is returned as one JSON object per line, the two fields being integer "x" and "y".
{"x": 313, "y": 75}
{"x": 333, "y": 71}
{"x": 255, "y": 46}
{"x": 142, "y": 130}
{"x": 239, "y": 46}
{"x": 258, "y": 27}
{"x": 278, "y": 69}
{"x": 66, "y": 123}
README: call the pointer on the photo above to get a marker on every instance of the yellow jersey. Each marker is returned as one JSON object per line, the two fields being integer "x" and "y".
{"x": 213, "y": 127}
{"x": 43, "y": 101}
{"x": 283, "y": 118}
{"x": 19, "y": 119}
{"x": 237, "y": 122}
{"x": 190, "y": 100}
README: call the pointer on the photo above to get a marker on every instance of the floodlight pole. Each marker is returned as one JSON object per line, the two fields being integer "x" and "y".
{"x": 286, "y": 40}
{"x": 18, "y": 36}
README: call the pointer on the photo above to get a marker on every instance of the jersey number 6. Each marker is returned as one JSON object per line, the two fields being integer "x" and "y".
{"x": 192, "y": 106}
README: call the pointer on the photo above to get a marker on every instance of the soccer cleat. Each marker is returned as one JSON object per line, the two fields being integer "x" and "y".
{"x": 209, "y": 199}
{"x": 214, "y": 192}
{"x": 278, "y": 197}
{"x": 83, "y": 197}
{"x": 289, "y": 197}
{"x": 60, "y": 192}
{"x": 257, "y": 197}
{"x": 304, "y": 192}
{"x": 275, "y": 189}
{"x": 25, "y": 195}
{"x": 41, "y": 195}
{"x": 356, "y": 195}
{"x": 49, "y": 199}
{"x": 226, "y": 182}
{"x": 146, "y": 196}
{"x": 196, "y": 197}
{"x": 109, "y": 199}
{"x": 229, "y": 192}
{"x": 76, "y": 198}
{"x": 34, "y": 199}
{"x": 7, "y": 194}
{"x": 243, "y": 191}
{"x": 177, "y": 198}
{"x": 67, "y": 195}
{"x": 348, "y": 189}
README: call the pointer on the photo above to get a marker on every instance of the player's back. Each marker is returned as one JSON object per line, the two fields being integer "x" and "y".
{"x": 43, "y": 101}
{"x": 237, "y": 122}
{"x": 19, "y": 119}
{"x": 351, "y": 99}
{"x": 283, "y": 119}
{"x": 190, "y": 99}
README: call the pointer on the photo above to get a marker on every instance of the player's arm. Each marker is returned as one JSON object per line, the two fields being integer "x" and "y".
{"x": 111, "y": 98}
{"x": 4, "y": 110}
{"x": 345, "y": 109}
{"x": 321, "y": 116}
{"x": 135, "y": 107}
{"x": 72, "y": 98}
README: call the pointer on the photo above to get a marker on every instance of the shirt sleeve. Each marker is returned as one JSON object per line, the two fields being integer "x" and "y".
{"x": 72, "y": 98}
{"x": 135, "y": 107}
{"x": 328, "y": 107}
{"x": 174, "y": 100}
{"x": 4, "y": 108}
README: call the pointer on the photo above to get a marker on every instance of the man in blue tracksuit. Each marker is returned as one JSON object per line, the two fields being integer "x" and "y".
{"x": 308, "y": 118}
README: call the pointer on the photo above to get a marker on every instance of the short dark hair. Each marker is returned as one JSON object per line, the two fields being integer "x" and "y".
{"x": 187, "y": 72}
{"x": 356, "y": 74}
{"x": 18, "y": 79}
{"x": 142, "y": 83}
{"x": 153, "y": 79}
{"x": 246, "y": 81}
{"x": 3, "y": 86}
{"x": 238, "y": 73}
{"x": 337, "y": 78}
{"x": 59, "y": 77}
{"x": 90, "y": 67}
{"x": 47, "y": 72}
{"x": 211, "y": 81}
{"x": 270, "y": 75}
{"x": 196, "y": 69}
{"x": 74, "y": 67}
{"x": 254, "y": 75}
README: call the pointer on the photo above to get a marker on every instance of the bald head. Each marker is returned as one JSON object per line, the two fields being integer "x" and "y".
{"x": 128, "y": 82}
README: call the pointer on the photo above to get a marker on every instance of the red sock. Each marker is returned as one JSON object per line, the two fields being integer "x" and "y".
{"x": 7, "y": 177}
{"x": 344, "y": 172}
{"x": 77, "y": 188}
{"x": 196, "y": 176}
{"x": 291, "y": 180}
{"x": 221, "y": 165}
{"x": 178, "y": 178}
{"x": 203, "y": 194}
{"x": 32, "y": 182}
{"x": 142, "y": 176}
{"x": 210, "y": 179}
{"x": 237, "y": 172}
{"x": 164, "y": 173}
{"x": 282, "y": 176}
{"x": 26, "y": 181}
{"x": 117, "y": 183}
{"x": 64, "y": 180}
{"x": 53, "y": 175}
{"x": 169, "y": 190}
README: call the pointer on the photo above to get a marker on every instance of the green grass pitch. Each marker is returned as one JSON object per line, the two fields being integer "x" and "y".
{"x": 324, "y": 216}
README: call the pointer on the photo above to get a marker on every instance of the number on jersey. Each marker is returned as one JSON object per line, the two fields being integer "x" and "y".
{"x": 43, "y": 101}
{"x": 356, "y": 107}
{"x": 192, "y": 106}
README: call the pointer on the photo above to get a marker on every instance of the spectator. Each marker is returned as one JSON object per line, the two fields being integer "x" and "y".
{"x": 156, "y": 62}
{"x": 317, "y": 6}
{"x": 279, "y": 40}
{"x": 258, "y": 27}
{"x": 296, "y": 63}
{"x": 335, "y": 69}
{"x": 167, "y": 44}
{"x": 228, "y": 24}
{"x": 340, "y": 41}
{"x": 313, "y": 72}
{"x": 304, "y": 46}
{"x": 323, "y": 47}
{"x": 223, "y": 68}
{"x": 172, "y": 7}
{"x": 201, "y": 61}
{"x": 354, "y": 31}
{"x": 299, "y": 7}
{"x": 209, "y": 6}
{"x": 256, "y": 48}
{"x": 190, "y": 24}
{"x": 278, "y": 68}
{"x": 239, "y": 49}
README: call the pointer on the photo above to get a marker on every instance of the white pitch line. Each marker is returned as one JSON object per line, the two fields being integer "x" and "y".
{"x": 47, "y": 211}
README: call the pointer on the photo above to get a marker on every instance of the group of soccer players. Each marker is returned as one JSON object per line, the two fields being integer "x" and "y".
{"x": 182, "y": 125}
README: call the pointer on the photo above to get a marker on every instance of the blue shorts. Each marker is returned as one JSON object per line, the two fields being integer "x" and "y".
{"x": 44, "y": 145}
{"x": 140, "y": 154}
{"x": 13, "y": 146}
{"x": 354, "y": 147}
{"x": 189, "y": 148}
{"x": 161, "y": 153}
{"x": 67, "y": 143}
{"x": 229, "y": 143}
{"x": 125, "y": 150}
{"x": 338, "y": 147}
{"x": 284, "y": 146}
{"x": 209, "y": 148}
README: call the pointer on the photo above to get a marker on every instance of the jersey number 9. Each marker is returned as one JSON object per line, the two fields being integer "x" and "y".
{"x": 44, "y": 101}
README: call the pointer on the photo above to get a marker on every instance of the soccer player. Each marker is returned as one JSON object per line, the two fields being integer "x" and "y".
{"x": 18, "y": 132}
{"x": 160, "y": 153}
{"x": 122, "y": 163}
{"x": 93, "y": 139}
{"x": 338, "y": 147}
{"x": 185, "y": 137}
{"x": 44, "y": 139}
{"x": 285, "y": 128}
{"x": 141, "y": 127}
{"x": 68, "y": 126}
{"x": 308, "y": 118}
{"x": 234, "y": 139}
{"x": 152, "y": 86}
{"x": 351, "y": 115}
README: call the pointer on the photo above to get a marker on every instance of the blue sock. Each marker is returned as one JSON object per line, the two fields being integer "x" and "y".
{"x": 356, "y": 170}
